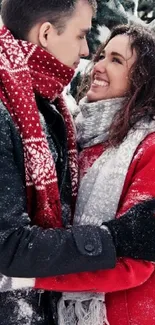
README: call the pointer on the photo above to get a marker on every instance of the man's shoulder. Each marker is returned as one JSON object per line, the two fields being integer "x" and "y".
{"x": 8, "y": 130}
{"x": 5, "y": 117}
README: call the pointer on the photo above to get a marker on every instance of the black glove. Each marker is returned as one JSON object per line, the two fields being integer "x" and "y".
{"x": 134, "y": 232}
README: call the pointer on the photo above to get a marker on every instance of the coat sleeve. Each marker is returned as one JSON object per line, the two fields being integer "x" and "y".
{"x": 128, "y": 273}
{"x": 30, "y": 251}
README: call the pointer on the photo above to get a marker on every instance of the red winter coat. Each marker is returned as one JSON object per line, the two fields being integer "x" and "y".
{"x": 130, "y": 286}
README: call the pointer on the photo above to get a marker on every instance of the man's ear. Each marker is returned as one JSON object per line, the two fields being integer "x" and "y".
{"x": 44, "y": 31}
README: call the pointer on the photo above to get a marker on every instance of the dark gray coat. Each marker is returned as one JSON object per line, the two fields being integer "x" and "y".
{"x": 30, "y": 251}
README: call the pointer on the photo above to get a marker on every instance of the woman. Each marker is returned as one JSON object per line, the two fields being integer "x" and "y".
{"x": 116, "y": 132}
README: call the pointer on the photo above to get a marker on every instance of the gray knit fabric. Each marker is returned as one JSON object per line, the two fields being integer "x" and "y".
{"x": 93, "y": 120}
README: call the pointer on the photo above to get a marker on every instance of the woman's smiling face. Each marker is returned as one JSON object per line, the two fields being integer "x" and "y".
{"x": 110, "y": 76}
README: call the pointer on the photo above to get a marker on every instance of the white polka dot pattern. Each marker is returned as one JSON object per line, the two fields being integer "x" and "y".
{"x": 26, "y": 70}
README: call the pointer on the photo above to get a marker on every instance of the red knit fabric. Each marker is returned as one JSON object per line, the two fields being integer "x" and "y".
{"x": 26, "y": 70}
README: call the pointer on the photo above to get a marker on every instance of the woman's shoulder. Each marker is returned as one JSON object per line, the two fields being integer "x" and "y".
{"x": 146, "y": 148}
{"x": 140, "y": 179}
{"x": 149, "y": 141}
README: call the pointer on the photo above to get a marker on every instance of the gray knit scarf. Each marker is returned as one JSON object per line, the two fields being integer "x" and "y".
{"x": 99, "y": 195}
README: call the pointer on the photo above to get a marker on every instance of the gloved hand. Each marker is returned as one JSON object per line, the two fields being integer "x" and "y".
{"x": 134, "y": 232}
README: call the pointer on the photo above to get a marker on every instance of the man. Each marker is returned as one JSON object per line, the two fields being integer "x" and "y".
{"x": 40, "y": 48}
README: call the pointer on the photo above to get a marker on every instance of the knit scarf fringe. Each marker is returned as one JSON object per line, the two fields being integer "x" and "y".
{"x": 85, "y": 309}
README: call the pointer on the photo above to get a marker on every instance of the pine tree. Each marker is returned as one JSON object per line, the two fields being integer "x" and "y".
{"x": 146, "y": 10}
{"x": 108, "y": 15}
{"x": 75, "y": 83}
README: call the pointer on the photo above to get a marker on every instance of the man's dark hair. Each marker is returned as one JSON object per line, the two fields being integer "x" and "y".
{"x": 19, "y": 16}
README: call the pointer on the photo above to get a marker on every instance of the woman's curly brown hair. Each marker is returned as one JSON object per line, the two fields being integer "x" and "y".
{"x": 140, "y": 99}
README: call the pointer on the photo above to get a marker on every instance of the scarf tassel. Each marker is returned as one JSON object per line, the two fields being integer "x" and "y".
{"x": 82, "y": 312}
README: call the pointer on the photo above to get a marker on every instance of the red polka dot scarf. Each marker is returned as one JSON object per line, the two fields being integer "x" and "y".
{"x": 26, "y": 70}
